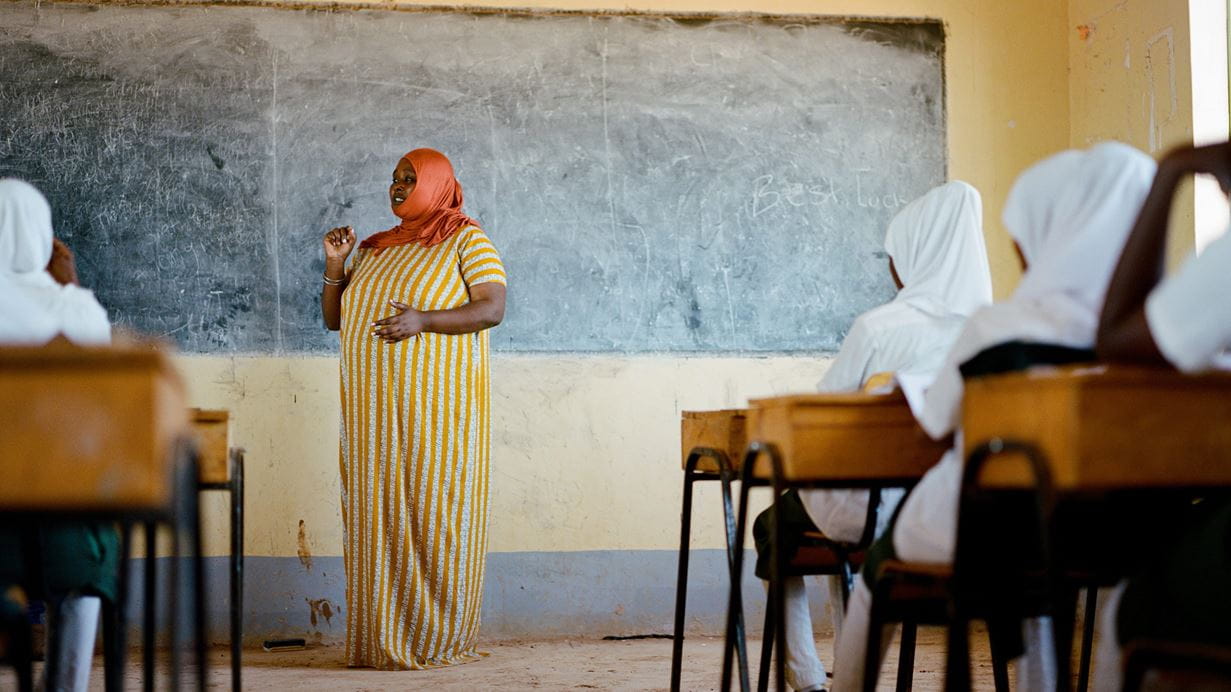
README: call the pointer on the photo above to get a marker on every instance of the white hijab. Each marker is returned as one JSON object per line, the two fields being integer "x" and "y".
{"x": 34, "y": 308}
{"x": 1071, "y": 215}
{"x": 937, "y": 247}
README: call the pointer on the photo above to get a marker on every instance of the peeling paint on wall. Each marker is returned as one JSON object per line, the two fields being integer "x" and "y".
{"x": 1160, "y": 61}
{"x": 322, "y": 608}
{"x": 304, "y": 549}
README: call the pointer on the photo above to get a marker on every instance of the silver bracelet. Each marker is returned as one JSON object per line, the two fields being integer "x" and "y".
{"x": 334, "y": 282}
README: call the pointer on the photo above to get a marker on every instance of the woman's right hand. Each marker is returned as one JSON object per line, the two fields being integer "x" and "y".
{"x": 62, "y": 267}
{"x": 339, "y": 242}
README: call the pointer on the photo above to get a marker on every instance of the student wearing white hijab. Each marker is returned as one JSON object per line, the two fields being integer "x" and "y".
{"x": 1069, "y": 215}
{"x": 1183, "y": 320}
{"x": 939, "y": 261}
{"x": 36, "y": 308}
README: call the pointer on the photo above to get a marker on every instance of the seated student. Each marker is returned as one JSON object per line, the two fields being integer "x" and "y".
{"x": 1184, "y": 321}
{"x": 40, "y": 302}
{"x": 1069, "y": 216}
{"x": 939, "y": 262}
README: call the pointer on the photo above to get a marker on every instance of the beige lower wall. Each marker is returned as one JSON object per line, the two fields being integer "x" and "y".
{"x": 584, "y": 449}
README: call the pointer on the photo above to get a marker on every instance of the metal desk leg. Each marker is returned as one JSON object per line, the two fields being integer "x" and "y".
{"x": 777, "y": 572}
{"x": 22, "y": 652}
{"x": 237, "y": 567}
{"x": 115, "y": 622}
{"x": 681, "y": 588}
{"x": 767, "y": 643}
{"x": 735, "y": 602}
{"x": 174, "y": 591}
{"x": 1087, "y": 638}
{"x": 193, "y": 517}
{"x": 151, "y": 603}
{"x": 726, "y": 475}
{"x": 681, "y": 579}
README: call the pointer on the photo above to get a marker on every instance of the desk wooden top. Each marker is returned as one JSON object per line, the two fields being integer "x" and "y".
{"x": 212, "y": 428}
{"x": 1107, "y": 427}
{"x": 846, "y": 439}
{"x": 724, "y": 430}
{"x": 88, "y": 428}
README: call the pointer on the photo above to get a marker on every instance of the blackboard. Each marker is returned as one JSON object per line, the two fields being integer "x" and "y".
{"x": 654, "y": 183}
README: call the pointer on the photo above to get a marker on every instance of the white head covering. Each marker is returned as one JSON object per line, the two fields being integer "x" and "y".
{"x": 937, "y": 247}
{"x": 34, "y": 309}
{"x": 1071, "y": 215}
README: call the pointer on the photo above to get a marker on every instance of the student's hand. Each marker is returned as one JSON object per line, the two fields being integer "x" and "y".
{"x": 1211, "y": 159}
{"x": 62, "y": 267}
{"x": 407, "y": 323}
{"x": 338, "y": 243}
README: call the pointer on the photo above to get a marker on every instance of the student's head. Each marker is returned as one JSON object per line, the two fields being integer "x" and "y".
{"x": 25, "y": 228}
{"x": 937, "y": 256}
{"x": 1069, "y": 216}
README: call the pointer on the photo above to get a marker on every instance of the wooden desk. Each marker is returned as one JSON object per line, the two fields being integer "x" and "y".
{"x": 97, "y": 434}
{"x": 89, "y": 429}
{"x": 842, "y": 439}
{"x": 1106, "y": 428}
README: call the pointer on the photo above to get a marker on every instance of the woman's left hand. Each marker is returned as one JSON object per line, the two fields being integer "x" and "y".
{"x": 407, "y": 323}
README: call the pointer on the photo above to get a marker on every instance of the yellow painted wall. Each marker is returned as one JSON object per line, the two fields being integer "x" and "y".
{"x": 585, "y": 452}
{"x": 1131, "y": 80}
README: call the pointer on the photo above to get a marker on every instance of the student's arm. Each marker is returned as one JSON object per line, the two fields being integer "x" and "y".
{"x": 338, "y": 245}
{"x": 847, "y": 371}
{"x": 1124, "y": 331}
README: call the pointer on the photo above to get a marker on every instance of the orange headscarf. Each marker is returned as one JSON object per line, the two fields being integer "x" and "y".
{"x": 432, "y": 212}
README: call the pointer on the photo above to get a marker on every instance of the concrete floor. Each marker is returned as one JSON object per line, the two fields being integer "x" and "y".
{"x": 564, "y": 664}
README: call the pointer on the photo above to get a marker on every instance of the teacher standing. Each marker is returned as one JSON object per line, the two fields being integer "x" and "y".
{"x": 413, "y": 309}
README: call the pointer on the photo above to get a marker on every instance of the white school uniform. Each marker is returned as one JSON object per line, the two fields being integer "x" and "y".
{"x": 34, "y": 309}
{"x": 936, "y": 243}
{"x": 1070, "y": 215}
{"x": 938, "y": 251}
{"x": 1189, "y": 313}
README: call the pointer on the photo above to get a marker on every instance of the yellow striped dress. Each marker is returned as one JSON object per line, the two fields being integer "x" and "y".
{"x": 414, "y": 458}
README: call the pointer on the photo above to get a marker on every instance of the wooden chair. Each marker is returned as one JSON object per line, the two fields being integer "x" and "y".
{"x": 817, "y": 555}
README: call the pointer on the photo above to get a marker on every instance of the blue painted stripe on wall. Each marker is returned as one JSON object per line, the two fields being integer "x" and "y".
{"x": 527, "y": 595}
